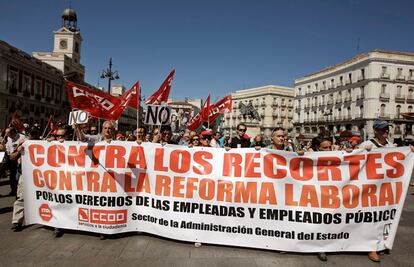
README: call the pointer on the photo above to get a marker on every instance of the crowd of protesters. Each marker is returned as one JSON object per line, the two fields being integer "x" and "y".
{"x": 11, "y": 143}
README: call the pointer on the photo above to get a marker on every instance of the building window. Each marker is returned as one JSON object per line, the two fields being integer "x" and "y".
{"x": 76, "y": 47}
{"x": 383, "y": 88}
{"x": 410, "y": 108}
{"x": 13, "y": 79}
{"x": 399, "y": 72}
{"x": 398, "y": 111}
{"x": 399, "y": 89}
{"x": 382, "y": 110}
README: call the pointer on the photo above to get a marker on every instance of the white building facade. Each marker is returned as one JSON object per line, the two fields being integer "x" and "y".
{"x": 273, "y": 104}
{"x": 352, "y": 94}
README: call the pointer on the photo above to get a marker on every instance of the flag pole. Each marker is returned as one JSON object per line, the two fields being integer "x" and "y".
{"x": 44, "y": 131}
{"x": 139, "y": 105}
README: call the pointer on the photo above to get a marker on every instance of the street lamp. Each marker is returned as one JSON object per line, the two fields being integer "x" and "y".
{"x": 111, "y": 75}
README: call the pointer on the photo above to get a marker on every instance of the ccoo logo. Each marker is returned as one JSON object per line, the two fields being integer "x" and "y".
{"x": 102, "y": 216}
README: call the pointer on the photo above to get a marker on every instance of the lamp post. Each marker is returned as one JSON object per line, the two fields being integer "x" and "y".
{"x": 111, "y": 75}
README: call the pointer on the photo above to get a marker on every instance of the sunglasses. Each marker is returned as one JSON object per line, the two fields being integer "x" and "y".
{"x": 59, "y": 135}
{"x": 241, "y": 130}
{"x": 205, "y": 138}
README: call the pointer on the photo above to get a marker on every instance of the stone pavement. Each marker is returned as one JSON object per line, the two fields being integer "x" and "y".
{"x": 36, "y": 246}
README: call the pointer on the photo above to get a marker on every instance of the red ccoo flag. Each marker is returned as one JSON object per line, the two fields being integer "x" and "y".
{"x": 98, "y": 103}
{"x": 134, "y": 96}
{"x": 129, "y": 98}
{"x": 161, "y": 95}
{"x": 203, "y": 115}
{"x": 220, "y": 107}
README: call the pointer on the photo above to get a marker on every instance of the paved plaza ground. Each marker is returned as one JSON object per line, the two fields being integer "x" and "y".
{"x": 36, "y": 246}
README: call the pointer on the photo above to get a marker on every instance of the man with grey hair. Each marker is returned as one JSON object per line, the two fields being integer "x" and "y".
{"x": 107, "y": 134}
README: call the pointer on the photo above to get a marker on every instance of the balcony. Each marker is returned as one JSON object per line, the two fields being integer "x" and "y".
{"x": 361, "y": 78}
{"x": 411, "y": 79}
{"x": 400, "y": 98}
{"x": 348, "y": 81}
{"x": 297, "y": 110}
{"x": 400, "y": 78}
{"x": 38, "y": 96}
{"x": 410, "y": 99}
{"x": 346, "y": 117}
{"x": 384, "y": 116}
{"x": 263, "y": 104}
{"x": 360, "y": 96}
{"x": 347, "y": 98}
{"x": 275, "y": 104}
{"x": 290, "y": 105}
{"x": 330, "y": 101}
{"x": 283, "y": 104}
{"x": 338, "y": 101}
{"x": 385, "y": 76}
{"x": 256, "y": 105}
{"x": 384, "y": 96}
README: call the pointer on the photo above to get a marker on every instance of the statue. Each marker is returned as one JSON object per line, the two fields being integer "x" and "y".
{"x": 248, "y": 111}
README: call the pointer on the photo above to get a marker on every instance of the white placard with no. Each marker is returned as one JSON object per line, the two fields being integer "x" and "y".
{"x": 78, "y": 117}
{"x": 157, "y": 115}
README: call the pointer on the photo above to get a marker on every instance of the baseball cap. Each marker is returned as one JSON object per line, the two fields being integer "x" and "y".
{"x": 380, "y": 124}
{"x": 354, "y": 138}
{"x": 206, "y": 133}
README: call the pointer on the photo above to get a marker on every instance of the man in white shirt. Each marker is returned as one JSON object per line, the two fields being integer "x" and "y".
{"x": 13, "y": 141}
{"x": 381, "y": 131}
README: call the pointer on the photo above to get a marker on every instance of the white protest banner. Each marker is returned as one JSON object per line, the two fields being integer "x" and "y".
{"x": 2, "y": 156}
{"x": 78, "y": 117}
{"x": 277, "y": 200}
{"x": 157, "y": 115}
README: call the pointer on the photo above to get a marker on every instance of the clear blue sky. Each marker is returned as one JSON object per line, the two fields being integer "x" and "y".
{"x": 216, "y": 47}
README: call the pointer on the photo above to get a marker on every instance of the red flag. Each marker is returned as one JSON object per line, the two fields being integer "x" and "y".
{"x": 205, "y": 110}
{"x": 52, "y": 124}
{"x": 220, "y": 107}
{"x": 161, "y": 95}
{"x": 98, "y": 103}
{"x": 195, "y": 122}
{"x": 203, "y": 115}
{"x": 129, "y": 98}
{"x": 133, "y": 96}
{"x": 16, "y": 122}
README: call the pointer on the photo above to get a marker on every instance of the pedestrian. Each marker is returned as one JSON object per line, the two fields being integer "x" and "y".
{"x": 14, "y": 139}
{"x": 18, "y": 206}
{"x": 380, "y": 139}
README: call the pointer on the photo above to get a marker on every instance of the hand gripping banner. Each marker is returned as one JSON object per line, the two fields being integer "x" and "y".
{"x": 276, "y": 200}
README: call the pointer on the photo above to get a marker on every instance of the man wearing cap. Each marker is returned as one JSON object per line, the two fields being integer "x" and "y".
{"x": 205, "y": 138}
{"x": 381, "y": 131}
{"x": 354, "y": 142}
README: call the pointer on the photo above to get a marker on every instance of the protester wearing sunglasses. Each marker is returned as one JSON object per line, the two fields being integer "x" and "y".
{"x": 239, "y": 140}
